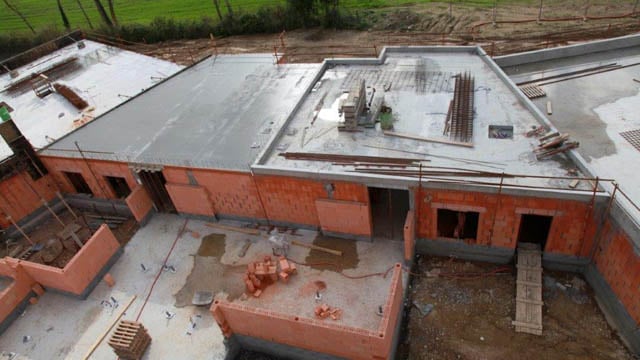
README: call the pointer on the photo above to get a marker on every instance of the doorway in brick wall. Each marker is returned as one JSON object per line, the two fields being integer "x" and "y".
{"x": 534, "y": 229}
{"x": 389, "y": 209}
{"x": 154, "y": 182}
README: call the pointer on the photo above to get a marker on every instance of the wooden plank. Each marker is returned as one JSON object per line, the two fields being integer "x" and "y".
{"x": 528, "y": 283}
{"x": 315, "y": 247}
{"x": 93, "y": 347}
{"x": 549, "y": 109}
{"x": 234, "y": 228}
{"x": 420, "y": 138}
{"x": 527, "y": 325}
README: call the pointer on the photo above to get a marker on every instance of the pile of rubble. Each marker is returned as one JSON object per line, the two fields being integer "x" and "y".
{"x": 324, "y": 311}
{"x": 261, "y": 274}
{"x": 553, "y": 144}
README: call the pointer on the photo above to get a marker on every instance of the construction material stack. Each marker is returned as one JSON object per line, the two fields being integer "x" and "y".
{"x": 130, "y": 340}
{"x": 261, "y": 274}
{"x": 353, "y": 106}
{"x": 529, "y": 290}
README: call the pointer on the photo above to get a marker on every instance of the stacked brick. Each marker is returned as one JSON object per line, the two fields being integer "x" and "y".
{"x": 261, "y": 274}
{"x": 130, "y": 340}
{"x": 324, "y": 311}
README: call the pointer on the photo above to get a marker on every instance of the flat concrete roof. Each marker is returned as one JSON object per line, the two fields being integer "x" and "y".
{"x": 418, "y": 84}
{"x": 219, "y": 113}
{"x": 595, "y": 109}
{"x": 104, "y": 76}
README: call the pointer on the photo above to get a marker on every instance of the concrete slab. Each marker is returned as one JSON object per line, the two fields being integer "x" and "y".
{"x": 64, "y": 327}
{"x": 102, "y": 75}
{"x": 219, "y": 113}
{"x": 418, "y": 86}
{"x": 595, "y": 109}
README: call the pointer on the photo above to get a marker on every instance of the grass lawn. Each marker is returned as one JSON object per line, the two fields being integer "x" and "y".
{"x": 43, "y": 13}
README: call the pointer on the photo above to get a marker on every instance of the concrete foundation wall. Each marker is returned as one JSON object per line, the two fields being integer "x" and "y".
{"x": 315, "y": 335}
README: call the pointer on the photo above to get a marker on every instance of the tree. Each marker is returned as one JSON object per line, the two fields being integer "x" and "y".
{"x": 84, "y": 13}
{"x": 17, "y": 12}
{"x": 305, "y": 9}
{"x": 65, "y": 20}
{"x": 103, "y": 13}
{"x": 113, "y": 12}
{"x": 217, "y": 5}
{"x": 229, "y": 8}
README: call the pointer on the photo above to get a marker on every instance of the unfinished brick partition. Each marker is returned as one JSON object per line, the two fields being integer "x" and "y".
{"x": 500, "y": 215}
{"x": 79, "y": 272}
{"x": 15, "y": 294}
{"x": 322, "y": 336}
{"x": 139, "y": 203}
{"x": 344, "y": 217}
{"x": 20, "y": 196}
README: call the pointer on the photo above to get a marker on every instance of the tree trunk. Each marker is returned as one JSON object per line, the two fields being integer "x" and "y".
{"x": 65, "y": 20}
{"x": 112, "y": 10}
{"x": 229, "y": 8}
{"x": 85, "y": 14}
{"x": 17, "y": 12}
{"x": 103, "y": 13}
{"x": 217, "y": 5}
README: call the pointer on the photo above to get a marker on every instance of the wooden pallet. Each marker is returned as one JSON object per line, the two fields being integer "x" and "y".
{"x": 532, "y": 91}
{"x": 130, "y": 340}
{"x": 529, "y": 290}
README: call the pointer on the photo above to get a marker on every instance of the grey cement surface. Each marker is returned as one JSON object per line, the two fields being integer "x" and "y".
{"x": 218, "y": 113}
{"x": 421, "y": 86}
{"x": 594, "y": 110}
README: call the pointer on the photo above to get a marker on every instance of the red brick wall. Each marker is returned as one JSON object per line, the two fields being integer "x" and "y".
{"x": 346, "y": 217}
{"x": 565, "y": 236}
{"x": 13, "y": 295}
{"x": 98, "y": 184}
{"x": 190, "y": 199}
{"x": 315, "y": 335}
{"x": 619, "y": 264}
{"x": 139, "y": 203}
{"x": 18, "y": 199}
{"x": 231, "y": 193}
{"x": 79, "y": 271}
{"x": 292, "y": 200}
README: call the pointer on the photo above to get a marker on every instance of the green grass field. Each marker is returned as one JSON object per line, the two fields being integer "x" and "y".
{"x": 44, "y": 13}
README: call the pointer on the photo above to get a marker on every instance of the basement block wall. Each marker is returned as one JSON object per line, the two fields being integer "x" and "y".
{"x": 500, "y": 215}
{"x": 20, "y": 196}
{"x": 323, "y": 336}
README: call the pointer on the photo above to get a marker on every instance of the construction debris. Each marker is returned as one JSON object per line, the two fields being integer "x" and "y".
{"x": 549, "y": 109}
{"x": 553, "y": 144}
{"x": 532, "y": 91}
{"x": 536, "y": 131}
{"x": 71, "y": 96}
{"x": 324, "y": 311}
{"x": 261, "y": 274}
{"x": 426, "y": 139}
{"x": 315, "y": 247}
{"x": 130, "y": 340}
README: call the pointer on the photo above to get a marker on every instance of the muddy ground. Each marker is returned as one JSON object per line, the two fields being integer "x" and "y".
{"x": 423, "y": 24}
{"x": 471, "y": 319}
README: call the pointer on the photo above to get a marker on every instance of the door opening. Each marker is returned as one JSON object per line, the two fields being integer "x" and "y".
{"x": 389, "y": 209}
{"x": 154, "y": 182}
{"x": 534, "y": 229}
{"x": 78, "y": 182}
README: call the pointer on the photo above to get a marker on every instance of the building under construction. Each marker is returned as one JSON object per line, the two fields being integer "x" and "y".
{"x": 317, "y": 185}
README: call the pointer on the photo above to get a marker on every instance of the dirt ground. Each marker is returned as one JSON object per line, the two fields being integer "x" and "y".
{"x": 515, "y": 30}
{"x": 471, "y": 319}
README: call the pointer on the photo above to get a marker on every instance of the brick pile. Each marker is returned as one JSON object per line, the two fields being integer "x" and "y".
{"x": 261, "y": 274}
{"x": 130, "y": 340}
{"x": 324, "y": 311}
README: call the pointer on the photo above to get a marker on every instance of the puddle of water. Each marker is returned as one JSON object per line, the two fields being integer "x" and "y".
{"x": 324, "y": 261}
{"x": 212, "y": 245}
